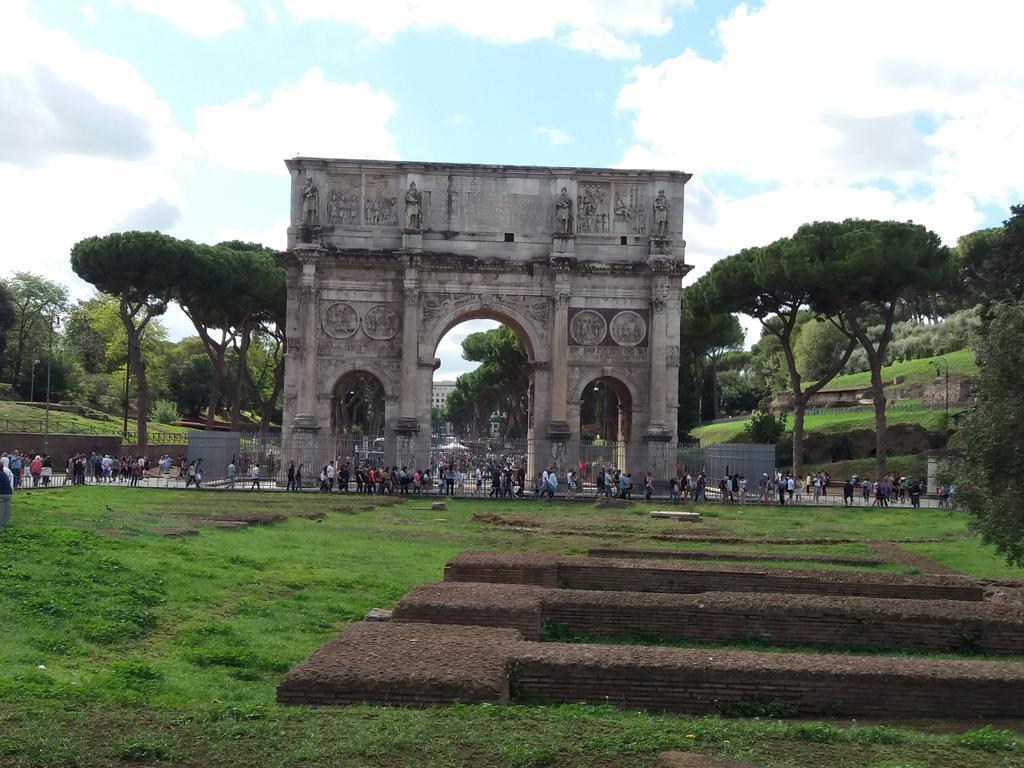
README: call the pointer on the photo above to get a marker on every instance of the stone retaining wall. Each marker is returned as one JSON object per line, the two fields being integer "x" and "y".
{"x": 682, "y": 680}
{"x": 931, "y": 625}
{"x": 720, "y": 554}
{"x": 646, "y": 576}
{"x": 419, "y": 664}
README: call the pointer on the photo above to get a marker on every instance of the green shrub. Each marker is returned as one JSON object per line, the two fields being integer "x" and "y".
{"x": 164, "y": 411}
{"x": 991, "y": 739}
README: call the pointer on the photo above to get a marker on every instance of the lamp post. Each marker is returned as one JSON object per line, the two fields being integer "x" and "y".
{"x": 127, "y": 375}
{"x": 938, "y": 375}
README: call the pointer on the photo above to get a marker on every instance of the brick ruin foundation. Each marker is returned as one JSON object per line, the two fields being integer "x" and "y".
{"x": 474, "y": 638}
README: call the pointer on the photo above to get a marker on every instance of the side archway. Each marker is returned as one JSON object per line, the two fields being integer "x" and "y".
{"x": 604, "y": 417}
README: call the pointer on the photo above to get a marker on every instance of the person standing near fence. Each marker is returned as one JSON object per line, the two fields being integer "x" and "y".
{"x": 254, "y": 475}
{"x": 6, "y": 491}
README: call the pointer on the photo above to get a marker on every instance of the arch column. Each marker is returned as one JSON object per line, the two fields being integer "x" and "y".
{"x": 306, "y": 397}
{"x": 658, "y": 437}
{"x": 558, "y": 432}
{"x": 407, "y": 427}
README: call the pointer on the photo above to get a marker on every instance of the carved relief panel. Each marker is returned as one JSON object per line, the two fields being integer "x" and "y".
{"x": 627, "y": 328}
{"x": 381, "y": 207}
{"x": 630, "y": 210}
{"x": 343, "y": 202}
{"x": 588, "y": 327}
{"x": 350, "y": 327}
{"x": 608, "y": 327}
{"x": 592, "y": 211}
{"x": 340, "y": 320}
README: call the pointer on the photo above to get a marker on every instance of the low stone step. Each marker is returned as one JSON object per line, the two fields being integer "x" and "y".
{"x": 671, "y": 514}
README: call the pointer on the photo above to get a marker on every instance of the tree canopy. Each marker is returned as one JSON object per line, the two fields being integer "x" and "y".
{"x": 877, "y": 267}
{"x": 137, "y": 268}
{"x": 989, "y": 483}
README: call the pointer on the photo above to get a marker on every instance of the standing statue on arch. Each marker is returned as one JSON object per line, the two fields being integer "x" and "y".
{"x": 310, "y": 202}
{"x": 563, "y": 212}
{"x": 413, "y": 210}
{"x": 661, "y": 215}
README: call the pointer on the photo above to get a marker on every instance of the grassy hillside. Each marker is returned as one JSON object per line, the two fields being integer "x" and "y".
{"x": 59, "y": 420}
{"x": 932, "y": 419}
{"x": 921, "y": 371}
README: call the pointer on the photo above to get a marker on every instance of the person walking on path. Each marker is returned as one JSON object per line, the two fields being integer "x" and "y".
{"x": 254, "y": 475}
{"x": 291, "y": 477}
{"x": 848, "y": 493}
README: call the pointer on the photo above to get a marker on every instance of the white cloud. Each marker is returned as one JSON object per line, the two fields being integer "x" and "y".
{"x": 555, "y": 135}
{"x": 93, "y": 146}
{"x": 316, "y": 118}
{"x": 88, "y": 12}
{"x": 458, "y": 119}
{"x": 200, "y": 18}
{"x": 274, "y": 235}
{"x": 814, "y": 110}
{"x": 593, "y": 26}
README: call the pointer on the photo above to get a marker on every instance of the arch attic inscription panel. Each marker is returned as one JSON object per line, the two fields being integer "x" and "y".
{"x": 584, "y": 264}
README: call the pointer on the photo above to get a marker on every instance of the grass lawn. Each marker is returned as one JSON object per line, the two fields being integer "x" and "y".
{"x": 921, "y": 371}
{"x": 61, "y": 421}
{"x": 932, "y": 419}
{"x": 121, "y": 646}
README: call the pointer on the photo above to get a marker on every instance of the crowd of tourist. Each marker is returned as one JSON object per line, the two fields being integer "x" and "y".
{"x": 494, "y": 478}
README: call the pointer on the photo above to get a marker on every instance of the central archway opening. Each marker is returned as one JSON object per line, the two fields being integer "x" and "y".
{"x": 482, "y": 408}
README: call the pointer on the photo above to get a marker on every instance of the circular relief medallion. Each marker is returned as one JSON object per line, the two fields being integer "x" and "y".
{"x": 381, "y": 323}
{"x": 628, "y": 329}
{"x": 340, "y": 320}
{"x": 588, "y": 328}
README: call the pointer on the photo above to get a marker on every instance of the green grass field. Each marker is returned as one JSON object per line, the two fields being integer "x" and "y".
{"x": 122, "y": 646}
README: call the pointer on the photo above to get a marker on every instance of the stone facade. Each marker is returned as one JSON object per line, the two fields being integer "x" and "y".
{"x": 584, "y": 264}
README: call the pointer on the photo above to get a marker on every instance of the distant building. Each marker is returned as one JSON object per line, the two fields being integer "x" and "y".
{"x": 440, "y": 393}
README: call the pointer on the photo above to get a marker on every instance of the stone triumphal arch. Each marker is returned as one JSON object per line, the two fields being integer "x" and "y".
{"x": 584, "y": 264}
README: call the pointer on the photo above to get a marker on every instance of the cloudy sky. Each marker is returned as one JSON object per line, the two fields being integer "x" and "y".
{"x": 176, "y": 114}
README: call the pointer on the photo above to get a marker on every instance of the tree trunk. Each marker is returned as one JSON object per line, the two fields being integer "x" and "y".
{"x": 138, "y": 367}
{"x": 270, "y": 403}
{"x": 236, "y": 394}
{"x": 799, "y": 408}
{"x": 876, "y": 359}
{"x": 217, "y": 355}
{"x": 716, "y": 394}
{"x": 878, "y": 393}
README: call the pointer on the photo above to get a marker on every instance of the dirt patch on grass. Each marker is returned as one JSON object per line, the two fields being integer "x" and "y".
{"x": 696, "y": 760}
{"x": 521, "y": 521}
{"x": 896, "y": 554}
